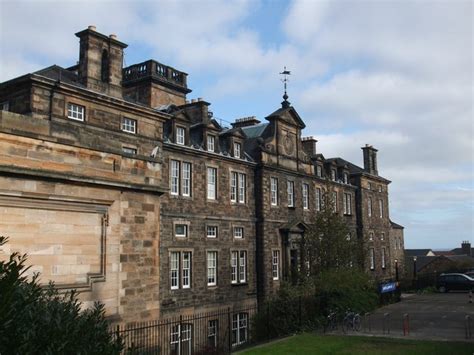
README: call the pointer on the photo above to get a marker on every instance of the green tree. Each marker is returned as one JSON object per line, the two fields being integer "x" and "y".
{"x": 37, "y": 320}
{"x": 328, "y": 243}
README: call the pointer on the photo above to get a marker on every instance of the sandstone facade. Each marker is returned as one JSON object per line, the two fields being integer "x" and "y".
{"x": 117, "y": 186}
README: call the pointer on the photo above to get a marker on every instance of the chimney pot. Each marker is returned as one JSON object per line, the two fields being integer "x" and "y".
{"x": 92, "y": 28}
{"x": 113, "y": 36}
{"x": 199, "y": 99}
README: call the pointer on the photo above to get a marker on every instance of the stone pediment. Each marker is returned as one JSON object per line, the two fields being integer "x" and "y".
{"x": 182, "y": 116}
{"x": 287, "y": 115}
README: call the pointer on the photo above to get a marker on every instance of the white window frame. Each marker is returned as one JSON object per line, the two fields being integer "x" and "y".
{"x": 238, "y": 265}
{"x": 129, "y": 125}
{"x": 174, "y": 176}
{"x": 129, "y": 150}
{"x": 334, "y": 201}
{"x": 346, "y": 178}
{"x": 211, "y": 231}
{"x": 4, "y": 106}
{"x": 212, "y": 331}
{"x": 76, "y": 112}
{"x": 382, "y": 236}
{"x": 305, "y": 190}
{"x": 234, "y": 262}
{"x": 181, "y": 338}
{"x": 372, "y": 258}
{"x": 180, "y": 135}
{"x": 237, "y": 150}
{"x": 180, "y": 235}
{"x": 347, "y": 203}
{"x": 180, "y": 178}
{"x": 383, "y": 258}
{"x": 233, "y": 186}
{"x": 380, "y": 208}
{"x": 238, "y": 232}
{"x": 290, "y": 187}
{"x": 371, "y": 236}
{"x": 276, "y": 264}
{"x": 239, "y": 328}
{"x": 242, "y": 187}
{"x": 186, "y": 269}
{"x": 174, "y": 270}
{"x": 369, "y": 206}
{"x": 319, "y": 171}
{"x": 333, "y": 174}
{"x": 273, "y": 191}
{"x": 212, "y": 268}
{"x": 318, "y": 199}
{"x": 211, "y": 142}
{"x": 186, "y": 179}
{"x": 211, "y": 183}
{"x": 242, "y": 266}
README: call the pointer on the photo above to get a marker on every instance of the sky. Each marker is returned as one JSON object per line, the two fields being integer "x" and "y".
{"x": 394, "y": 74}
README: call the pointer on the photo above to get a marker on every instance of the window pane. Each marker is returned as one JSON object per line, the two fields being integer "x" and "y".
{"x": 291, "y": 189}
{"x": 180, "y": 135}
{"x": 186, "y": 269}
{"x": 233, "y": 187}
{"x": 186, "y": 188}
{"x": 210, "y": 143}
{"x": 233, "y": 265}
{"x": 242, "y": 181}
{"x": 174, "y": 177}
{"x": 243, "y": 266}
{"x": 211, "y": 183}
{"x": 274, "y": 191}
{"x": 174, "y": 269}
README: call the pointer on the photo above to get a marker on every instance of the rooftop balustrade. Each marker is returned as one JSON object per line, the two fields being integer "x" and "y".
{"x": 153, "y": 69}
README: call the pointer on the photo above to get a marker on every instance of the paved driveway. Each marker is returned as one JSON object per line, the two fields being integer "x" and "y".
{"x": 432, "y": 316}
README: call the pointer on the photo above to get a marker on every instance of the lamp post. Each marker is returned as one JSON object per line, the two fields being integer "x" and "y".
{"x": 396, "y": 270}
{"x": 414, "y": 271}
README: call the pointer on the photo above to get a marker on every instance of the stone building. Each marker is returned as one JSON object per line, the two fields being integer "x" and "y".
{"x": 118, "y": 186}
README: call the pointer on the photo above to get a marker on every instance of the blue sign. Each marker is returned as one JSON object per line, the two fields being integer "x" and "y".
{"x": 388, "y": 287}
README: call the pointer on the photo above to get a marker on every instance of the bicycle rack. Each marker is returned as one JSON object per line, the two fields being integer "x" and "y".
{"x": 406, "y": 324}
{"x": 467, "y": 326}
{"x": 386, "y": 323}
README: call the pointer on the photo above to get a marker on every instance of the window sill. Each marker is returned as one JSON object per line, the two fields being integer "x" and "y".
{"x": 239, "y": 284}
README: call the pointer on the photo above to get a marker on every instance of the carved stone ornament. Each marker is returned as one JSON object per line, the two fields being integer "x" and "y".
{"x": 289, "y": 145}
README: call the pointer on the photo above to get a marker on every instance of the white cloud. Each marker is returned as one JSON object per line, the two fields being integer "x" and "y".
{"x": 398, "y": 75}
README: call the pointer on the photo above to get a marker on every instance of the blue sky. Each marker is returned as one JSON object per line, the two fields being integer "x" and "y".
{"x": 394, "y": 74}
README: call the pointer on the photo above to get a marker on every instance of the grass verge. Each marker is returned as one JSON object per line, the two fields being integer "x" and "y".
{"x": 308, "y": 343}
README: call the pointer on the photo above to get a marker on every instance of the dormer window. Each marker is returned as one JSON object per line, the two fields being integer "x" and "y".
{"x": 180, "y": 133}
{"x": 237, "y": 150}
{"x": 333, "y": 174}
{"x": 346, "y": 178}
{"x": 211, "y": 140}
{"x": 319, "y": 171}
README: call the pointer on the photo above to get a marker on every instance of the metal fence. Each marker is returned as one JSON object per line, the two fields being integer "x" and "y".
{"x": 452, "y": 326}
{"x": 219, "y": 332}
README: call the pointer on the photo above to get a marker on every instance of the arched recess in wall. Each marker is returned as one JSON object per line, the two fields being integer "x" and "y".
{"x": 104, "y": 68}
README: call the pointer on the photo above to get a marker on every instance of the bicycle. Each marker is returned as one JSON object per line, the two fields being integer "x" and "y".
{"x": 331, "y": 322}
{"x": 351, "y": 321}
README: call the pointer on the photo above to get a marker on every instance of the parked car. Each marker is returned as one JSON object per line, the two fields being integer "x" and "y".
{"x": 470, "y": 274}
{"x": 454, "y": 282}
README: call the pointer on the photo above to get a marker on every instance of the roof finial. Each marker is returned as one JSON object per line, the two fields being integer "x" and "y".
{"x": 285, "y": 73}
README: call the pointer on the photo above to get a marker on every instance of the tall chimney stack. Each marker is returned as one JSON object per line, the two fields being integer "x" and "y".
{"x": 370, "y": 159}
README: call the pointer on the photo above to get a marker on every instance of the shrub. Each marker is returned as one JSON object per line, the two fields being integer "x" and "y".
{"x": 305, "y": 307}
{"x": 40, "y": 320}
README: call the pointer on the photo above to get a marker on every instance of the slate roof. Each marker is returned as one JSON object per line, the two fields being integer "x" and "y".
{"x": 459, "y": 251}
{"x": 56, "y": 72}
{"x": 396, "y": 225}
{"x": 254, "y": 131}
{"x": 416, "y": 252}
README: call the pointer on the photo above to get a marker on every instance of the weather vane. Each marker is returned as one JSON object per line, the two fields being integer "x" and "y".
{"x": 285, "y": 80}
